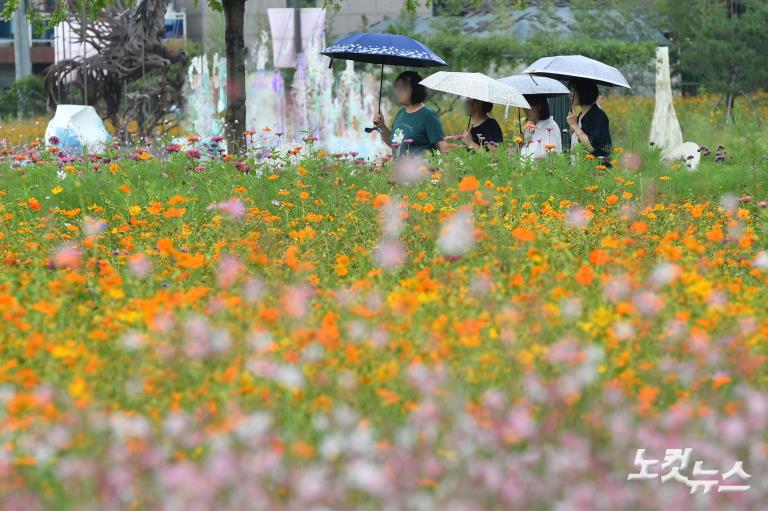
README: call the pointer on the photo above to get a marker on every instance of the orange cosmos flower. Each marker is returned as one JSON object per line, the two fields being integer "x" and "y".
{"x": 585, "y": 275}
{"x": 469, "y": 184}
{"x": 523, "y": 234}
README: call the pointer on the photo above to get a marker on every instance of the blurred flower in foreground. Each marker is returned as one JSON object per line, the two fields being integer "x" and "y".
{"x": 457, "y": 234}
{"x": 409, "y": 171}
{"x": 67, "y": 256}
{"x": 234, "y": 208}
{"x": 389, "y": 254}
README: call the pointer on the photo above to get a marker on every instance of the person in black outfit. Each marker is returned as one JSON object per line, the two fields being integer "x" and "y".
{"x": 590, "y": 126}
{"x": 485, "y": 131}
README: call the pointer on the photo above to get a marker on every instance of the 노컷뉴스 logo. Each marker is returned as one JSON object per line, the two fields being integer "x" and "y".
{"x": 676, "y": 465}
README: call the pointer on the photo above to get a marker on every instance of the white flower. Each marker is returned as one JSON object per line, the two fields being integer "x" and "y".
{"x": 761, "y": 260}
{"x": 457, "y": 234}
{"x": 398, "y": 136}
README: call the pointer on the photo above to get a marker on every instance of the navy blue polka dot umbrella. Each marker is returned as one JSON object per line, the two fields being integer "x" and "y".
{"x": 384, "y": 49}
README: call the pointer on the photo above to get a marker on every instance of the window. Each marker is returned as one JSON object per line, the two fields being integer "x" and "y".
{"x": 6, "y": 29}
{"x": 301, "y": 3}
{"x": 175, "y": 25}
{"x": 42, "y": 32}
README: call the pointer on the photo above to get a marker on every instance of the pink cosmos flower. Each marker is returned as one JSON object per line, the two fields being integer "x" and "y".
{"x": 139, "y": 265}
{"x": 578, "y": 217}
{"x": 390, "y": 254}
{"x": 67, "y": 256}
{"x": 92, "y": 226}
{"x": 409, "y": 171}
{"x": 230, "y": 268}
{"x": 234, "y": 208}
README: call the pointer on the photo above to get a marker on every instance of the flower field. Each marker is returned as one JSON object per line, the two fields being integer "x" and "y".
{"x": 306, "y": 331}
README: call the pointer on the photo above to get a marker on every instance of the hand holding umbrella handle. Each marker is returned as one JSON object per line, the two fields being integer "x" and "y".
{"x": 378, "y": 122}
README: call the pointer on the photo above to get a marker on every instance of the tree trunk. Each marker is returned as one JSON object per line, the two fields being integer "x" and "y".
{"x": 729, "y": 108}
{"x": 234, "y": 19}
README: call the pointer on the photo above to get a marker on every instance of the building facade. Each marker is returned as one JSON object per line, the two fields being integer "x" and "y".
{"x": 206, "y": 27}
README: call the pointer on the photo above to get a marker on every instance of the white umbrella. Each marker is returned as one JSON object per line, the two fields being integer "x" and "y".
{"x": 578, "y": 66}
{"x": 539, "y": 85}
{"x": 476, "y": 86}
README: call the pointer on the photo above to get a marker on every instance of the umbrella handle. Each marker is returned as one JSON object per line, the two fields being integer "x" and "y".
{"x": 381, "y": 86}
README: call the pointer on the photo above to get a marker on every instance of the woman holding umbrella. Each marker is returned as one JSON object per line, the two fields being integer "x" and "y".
{"x": 591, "y": 126}
{"x": 485, "y": 131}
{"x": 416, "y": 128}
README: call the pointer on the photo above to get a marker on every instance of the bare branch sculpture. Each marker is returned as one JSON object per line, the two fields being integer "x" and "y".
{"x": 133, "y": 79}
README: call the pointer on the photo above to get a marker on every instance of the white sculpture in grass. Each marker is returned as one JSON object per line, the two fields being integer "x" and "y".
{"x": 78, "y": 129}
{"x": 665, "y": 128}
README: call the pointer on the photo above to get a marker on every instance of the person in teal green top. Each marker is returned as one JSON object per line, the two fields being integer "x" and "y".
{"x": 416, "y": 128}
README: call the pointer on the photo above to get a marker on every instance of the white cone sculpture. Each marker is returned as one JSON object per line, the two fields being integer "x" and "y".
{"x": 665, "y": 128}
{"x": 78, "y": 128}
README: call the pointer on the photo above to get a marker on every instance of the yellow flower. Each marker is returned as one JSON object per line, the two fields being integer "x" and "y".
{"x": 134, "y": 210}
{"x": 78, "y": 389}
{"x": 57, "y": 190}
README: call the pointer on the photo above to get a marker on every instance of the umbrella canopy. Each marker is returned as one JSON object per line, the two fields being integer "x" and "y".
{"x": 578, "y": 66}
{"x": 385, "y": 49}
{"x": 476, "y": 86}
{"x": 539, "y": 85}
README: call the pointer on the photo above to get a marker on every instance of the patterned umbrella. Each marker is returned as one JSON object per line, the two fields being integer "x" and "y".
{"x": 384, "y": 49}
{"x": 578, "y": 66}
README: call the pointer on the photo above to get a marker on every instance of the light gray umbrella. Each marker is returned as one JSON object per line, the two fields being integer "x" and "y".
{"x": 577, "y": 66}
{"x": 539, "y": 85}
{"x": 476, "y": 86}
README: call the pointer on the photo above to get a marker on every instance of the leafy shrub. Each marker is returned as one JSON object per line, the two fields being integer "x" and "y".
{"x": 32, "y": 93}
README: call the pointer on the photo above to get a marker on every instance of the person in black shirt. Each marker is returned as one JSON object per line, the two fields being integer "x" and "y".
{"x": 485, "y": 131}
{"x": 590, "y": 126}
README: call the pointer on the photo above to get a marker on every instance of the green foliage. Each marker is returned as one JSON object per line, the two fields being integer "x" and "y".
{"x": 628, "y": 20}
{"x": 30, "y": 91}
{"x": 479, "y": 54}
{"x": 611, "y": 40}
{"x": 720, "y": 44}
{"x": 411, "y": 5}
